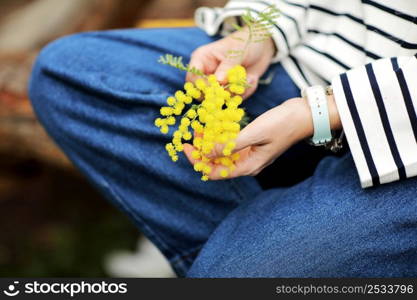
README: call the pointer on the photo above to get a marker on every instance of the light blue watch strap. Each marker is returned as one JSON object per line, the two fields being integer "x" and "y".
{"x": 317, "y": 99}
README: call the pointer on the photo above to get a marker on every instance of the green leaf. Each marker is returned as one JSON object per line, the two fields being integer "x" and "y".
{"x": 237, "y": 27}
{"x": 238, "y": 38}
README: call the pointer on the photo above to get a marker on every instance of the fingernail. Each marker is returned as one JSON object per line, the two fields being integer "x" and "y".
{"x": 251, "y": 79}
{"x": 220, "y": 76}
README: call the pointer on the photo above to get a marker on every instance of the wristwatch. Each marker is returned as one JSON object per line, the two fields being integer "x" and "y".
{"x": 323, "y": 136}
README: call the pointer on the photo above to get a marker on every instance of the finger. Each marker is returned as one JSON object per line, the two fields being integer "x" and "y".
{"x": 254, "y": 73}
{"x": 221, "y": 71}
{"x": 251, "y": 135}
{"x": 253, "y": 85}
{"x": 215, "y": 168}
{"x": 203, "y": 60}
{"x": 198, "y": 64}
{"x": 249, "y": 162}
{"x": 188, "y": 149}
{"x": 198, "y": 134}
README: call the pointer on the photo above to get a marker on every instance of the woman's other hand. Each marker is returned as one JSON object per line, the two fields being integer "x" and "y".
{"x": 214, "y": 58}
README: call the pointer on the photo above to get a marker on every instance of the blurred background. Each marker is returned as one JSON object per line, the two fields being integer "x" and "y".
{"x": 52, "y": 222}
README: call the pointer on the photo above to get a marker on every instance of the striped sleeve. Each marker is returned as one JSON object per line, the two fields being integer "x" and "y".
{"x": 287, "y": 32}
{"x": 377, "y": 105}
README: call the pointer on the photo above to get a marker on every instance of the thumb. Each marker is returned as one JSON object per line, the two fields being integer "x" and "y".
{"x": 199, "y": 66}
{"x": 222, "y": 69}
{"x": 255, "y": 72}
{"x": 249, "y": 136}
{"x": 252, "y": 80}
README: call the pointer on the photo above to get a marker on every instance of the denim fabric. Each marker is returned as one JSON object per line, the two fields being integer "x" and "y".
{"x": 97, "y": 95}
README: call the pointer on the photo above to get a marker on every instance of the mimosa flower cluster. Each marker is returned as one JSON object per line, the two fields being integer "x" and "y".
{"x": 215, "y": 122}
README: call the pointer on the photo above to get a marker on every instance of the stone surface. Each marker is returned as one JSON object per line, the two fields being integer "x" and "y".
{"x": 38, "y": 21}
{"x": 23, "y": 31}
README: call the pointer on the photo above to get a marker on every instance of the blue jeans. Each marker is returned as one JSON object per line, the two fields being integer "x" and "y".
{"x": 97, "y": 95}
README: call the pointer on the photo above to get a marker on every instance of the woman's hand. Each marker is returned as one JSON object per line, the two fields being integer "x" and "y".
{"x": 214, "y": 58}
{"x": 269, "y": 135}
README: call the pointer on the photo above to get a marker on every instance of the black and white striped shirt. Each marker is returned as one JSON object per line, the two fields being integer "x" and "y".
{"x": 367, "y": 50}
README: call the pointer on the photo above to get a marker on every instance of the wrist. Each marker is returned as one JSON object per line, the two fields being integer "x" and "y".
{"x": 268, "y": 45}
{"x": 302, "y": 118}
{"x": 272, "y": 48}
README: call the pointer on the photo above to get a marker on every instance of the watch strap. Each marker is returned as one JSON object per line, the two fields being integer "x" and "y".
{"x": 317, "y": 100}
